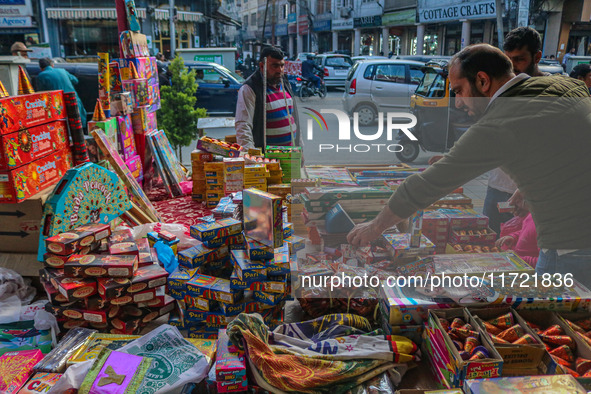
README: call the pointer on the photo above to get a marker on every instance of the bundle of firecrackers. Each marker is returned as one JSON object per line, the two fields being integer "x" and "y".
{"x": 219, "y": 147}
{"x": 290, "y": 158}
{"x": 465, "y": 338}
{"x": 562, "y": 347}
{"x": 229, "y": 207}
{"x": 228, "y": 273}
{"x": 504, "y": 330}
{"x": 467, "y": 248}
{"x": 107, "y": 281}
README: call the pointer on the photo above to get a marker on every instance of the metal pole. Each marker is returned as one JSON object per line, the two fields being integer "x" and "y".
{"x": 500, "y": 34}
{"x": 172, "y": 30}
{"x": 265, "y": 104}
{"x": 44, "y": 21}
{"x": 265, "y": 24}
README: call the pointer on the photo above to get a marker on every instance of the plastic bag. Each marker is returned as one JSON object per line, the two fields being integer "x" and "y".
{"x": 511, "y": 225}
{"x": 166, "y": 257}
{"x": 10, "y": 310}
{"x": 11, "y": 283}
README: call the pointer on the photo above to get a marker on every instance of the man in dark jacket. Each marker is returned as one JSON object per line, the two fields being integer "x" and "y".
{"x": 542, "y": 146}
{"x": 267, "y": 118}
{"x": 308, "y": 67}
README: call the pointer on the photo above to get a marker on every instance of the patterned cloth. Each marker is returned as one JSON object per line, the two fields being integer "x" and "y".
{"x": 278, "y": 120}
{"x": 330, "y": 354}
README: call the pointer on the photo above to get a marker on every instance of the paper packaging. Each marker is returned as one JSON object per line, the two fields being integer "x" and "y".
{"x": 295, "y": 244}
{"x": 133, "y": 44}
{"x": 96, "y": 343}
{"x": 109, "y": 127}
{"x": 40, "y": 382}
{"x": 146, "y": 256}
{"x": 146, "y": 67}
{"x": 230, "y": 367}
{"x": 416, "y": 229}
{"x": 197, "y": 255}
{"x": 123, "y": 248}
{"x": 263, "y": 220}
{"x": 148, "y": 277}
{"x": 104, "y": 82}
{"x": 75, "y": 288}
{"x": 139, "y": 92}
{"x": 25, "y": 146}
{"x": 399, "y": 245}
{"x": 22, "y": 182}
{"x": 445, "y": 358}
{"x": 15, "y": 369}
{"x": 126, "y": 139}
{"x": 246, "y": 269}
{"x": 77, "y": 239}
{"x": 143, "y": 121}
{"x": 116, "y": 266}
{"x": 258, "y": 251}
{"x": 77, "y": 313}
{"x": 219, "y": 229}
{"x": 26, "y": 111}
{"x": 557, "y": 384}
{"x": 514, "y": 356}
{"x": 212, "y": 288}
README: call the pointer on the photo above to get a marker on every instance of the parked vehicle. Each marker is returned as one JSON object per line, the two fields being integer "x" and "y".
{"x": 218, "y": 89}
{"x": 308, "y": 88}
{"x": 440, "y": 123}
{"x": 87, "y": 74}
{"x": 375, "y": 86}
{"x": 336, "y": 68}
{"x": 551, "y": 66}
{"x": 363, "y": 58}
{"x": 303, "y": 56}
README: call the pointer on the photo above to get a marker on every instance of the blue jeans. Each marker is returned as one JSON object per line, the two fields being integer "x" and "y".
{"x": 577, "y": 263}
{"x": 490, "y": 209}
{"x": 315, "y": 79}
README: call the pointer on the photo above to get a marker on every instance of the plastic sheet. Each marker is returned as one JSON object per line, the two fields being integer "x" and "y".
{"x": 13, "y": 284}
{"x": 56, "y": 360}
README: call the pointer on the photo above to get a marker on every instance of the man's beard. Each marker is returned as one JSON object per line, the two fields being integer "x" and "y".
{"x": 273, "y": 80}
{"x": 530, "y": 69}
{"x": 478, "y": 102}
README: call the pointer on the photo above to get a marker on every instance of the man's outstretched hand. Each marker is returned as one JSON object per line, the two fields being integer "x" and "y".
{"x": 363, "y": 234}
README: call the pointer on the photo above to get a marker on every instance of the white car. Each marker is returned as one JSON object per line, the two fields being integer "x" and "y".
{"x": 336, "y": 67}
{"x": 374, "y": 86}
{"x": 363, "y": 58}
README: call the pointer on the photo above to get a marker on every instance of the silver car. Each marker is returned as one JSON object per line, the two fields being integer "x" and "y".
{"x": 336, "y": 67}
{"x": 374, "y": 86}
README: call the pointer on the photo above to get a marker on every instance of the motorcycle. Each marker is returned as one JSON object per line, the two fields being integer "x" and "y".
{"x": 308, "y": 88}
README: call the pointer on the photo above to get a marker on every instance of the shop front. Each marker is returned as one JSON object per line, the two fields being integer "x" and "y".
{"x": 16, "y": 24}
{"x": 370, "y": 34}
{"x": 322, "y": 28}
{"x": 400, "y": 25}
{"x": 343, "y": 35}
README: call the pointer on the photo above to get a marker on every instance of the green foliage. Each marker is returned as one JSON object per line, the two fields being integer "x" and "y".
{"x": 178, "y": 115}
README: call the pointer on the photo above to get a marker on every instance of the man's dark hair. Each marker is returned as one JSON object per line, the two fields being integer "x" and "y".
{"x": 523, "y": 36}
{"x": 44, "y": 63}
{"x": 580, "y": 70}
{"x": 271, "y": 51}
{"x": 481, "y": 57}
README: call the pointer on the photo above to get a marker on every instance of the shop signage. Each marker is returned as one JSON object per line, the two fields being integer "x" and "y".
{"x": 15, "y": 21}
{"x": 400, "y": 18}
{"x": 291, "y": 18}
{"x": 15, "y": 8}
{"x": 438, "y": 11}
{"x": 292, "y": 29}
{"x": 303, "y": 24}
{"x": 322, "y": 25}
{"x": 342, "y": 24}
{"x": 367, "y": 21}
{"x": 281, "y": 30}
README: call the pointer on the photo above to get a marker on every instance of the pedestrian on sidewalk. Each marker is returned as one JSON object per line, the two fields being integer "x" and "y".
{"x": 59, "y": 79}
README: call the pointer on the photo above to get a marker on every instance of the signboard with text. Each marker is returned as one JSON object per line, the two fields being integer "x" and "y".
{"x": 15, "y": 21}
{"x": 342, "y": 24}
{"x": 431, "y": 11}
{"x": 367, "y": 21}
{"x": 15, "y": 8}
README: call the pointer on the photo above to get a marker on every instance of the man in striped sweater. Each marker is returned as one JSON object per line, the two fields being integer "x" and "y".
{"x": 281, "y": 112}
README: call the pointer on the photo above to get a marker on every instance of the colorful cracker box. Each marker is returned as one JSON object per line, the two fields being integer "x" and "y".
{"x": 556, "y": 384}
{"x": 110, "y": 128}
{"x": 399, "y": 244}
{"x": 146, "y": 255}
{"x": 263, "y": 220}
{"x": 139, "y": 92}
{"x": 133, "y": 44}
{"x": 116, "y": 266}
{"x": 177, "y": 281}
{"x": 483, "y": 236}
{"x": 23, "y": 336}
{"x": 97, "y": 342}
{"x": 126, "y": 140}
{"x": 27, "y": 145}
{"x": 40, "y": 382}
{"x": 448, "y": 366}
{"x": 246, "y": 269}
{"x": 295, "y": 243}
{"x": 218, "y": 147}
{"x": 145, "y": 66}
{"x": 287, "y": 230}
{"x": 15, "y": 369}
{"x": 267, "y": 298}
{"x": 77, "y": 240}
{"x": 465, "y": 218}
{"x": 148, "y": 277}
{"x": 200, "y": 303}
{"x": 197, "y": 255}
{"x": 230, "y": 367}
{"x": 212, "y": 288}
{"x": 121, "y": 103}
{"x": 26, "y": 111}
{"x": 75, "y": 288}
{"x": 258, "y": 251}
{"x": 143, "y": 121}
{"x": 19, "y": 183}
{"x": 220, "y": 229}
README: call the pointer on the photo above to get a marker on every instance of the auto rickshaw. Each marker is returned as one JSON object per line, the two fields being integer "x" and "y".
{"x": 439, "y": 122}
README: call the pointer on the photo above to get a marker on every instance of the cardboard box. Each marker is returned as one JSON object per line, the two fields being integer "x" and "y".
{"x": 15, "y": 377}
{"x": 143, "y": 121}
{"x": 258, "y": 251}
{"x": 133, "y": 44}
{"x": 465, "y": 218}
{"x": 75, "y": 288}
{"x": 25, "y": 146}
{"x": 212, "y": 288}
{"x": 146, "y": 67}
{"x": 230, "y": 365}
{"x": 88, "y": 266}
{"x": 219, "y": 229}
{"x": 126, "y": 139}
{"x": 399, "y": 244}
{"x": 217, "y": 147}
{"x": 197, "y": 255}
{"x": 472, "y": 236}
{"x": 78, "y": 239}
{"x": 22, "y": 182}
{"x": 547, "y": 384}
{"x": 514, "y": 356}
{"x": 27, "y": 111}
{"x": 22, "y": 224}
{"x": 263, "y": 219}
{"x": 445, "y": 356}
{"x": 148, "y": 277}
{"x": 40, "y": 382}
{"x": 109, "y": 126}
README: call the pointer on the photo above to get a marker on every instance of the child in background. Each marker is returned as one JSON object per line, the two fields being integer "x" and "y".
{"x": 524, "y": 242}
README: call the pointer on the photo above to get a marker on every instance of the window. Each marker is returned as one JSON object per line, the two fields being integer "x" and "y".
{"x": 245, "y": 23}
{"x": 437, "y": 89}
{"x": 368, "y": 74}
{"x": 253, "y": 19}
{"x": 344, "y": 3}
{"x": 339, "y": 61}
{"x": 284, "y": 11}
{"x": 208, "y": 75}
{"x": 416, "y": 75}
{"x": 390, "y": 73}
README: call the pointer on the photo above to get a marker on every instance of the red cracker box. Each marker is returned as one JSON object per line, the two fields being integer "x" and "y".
{"x": 146, "y": 255}
{"x": 53, "y": 295}
{"x": 24, "y": 112}
{"x": 77, "y": 240}
{"x": 116, "y": 266}
{"x": 158, "y": 302}
{"x": 465, "y": 218}
{"x": 230, "y": 363}
{"x": 124, "y": 235}
{"x": 482, "y": 236}
{"x": 142, "y": 296}
{"x": 25, "y": 146}
{"x": 75, "y": 288}
{"x": 143, "y": 121}
{"x": 18, "y": 184}
{"x": 15, "y": 369}
{"x": 124, "y": 248}
{"x": 72, "y": 312}
{"x": 148, "y": 277}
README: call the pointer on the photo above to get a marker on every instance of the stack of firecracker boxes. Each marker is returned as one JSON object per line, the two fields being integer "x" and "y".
{"x": 235, "y": 269}
{"x": 290, "y": 160}
{"x": 104, "y": 280}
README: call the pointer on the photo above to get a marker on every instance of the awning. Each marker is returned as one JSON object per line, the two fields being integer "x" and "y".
{"x": 111, "y": 13}
{"x": 225, "y": 19}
